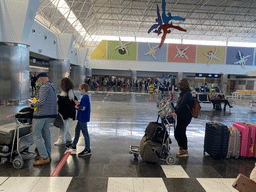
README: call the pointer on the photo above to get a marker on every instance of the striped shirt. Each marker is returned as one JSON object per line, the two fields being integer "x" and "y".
{"x": 46, "y": 101}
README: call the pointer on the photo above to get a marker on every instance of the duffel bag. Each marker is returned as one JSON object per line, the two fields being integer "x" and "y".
{"x": 156, "y": 132}
{"x": 149, "y": 150}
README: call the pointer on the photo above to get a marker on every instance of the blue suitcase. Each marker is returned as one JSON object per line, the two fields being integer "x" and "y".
{"x": 216, "y": 139}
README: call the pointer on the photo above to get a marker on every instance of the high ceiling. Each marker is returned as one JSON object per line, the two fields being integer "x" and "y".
{"x": 217, "y": 20}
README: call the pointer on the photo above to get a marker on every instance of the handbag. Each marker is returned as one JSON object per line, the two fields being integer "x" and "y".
{"x": 59, "y": 121}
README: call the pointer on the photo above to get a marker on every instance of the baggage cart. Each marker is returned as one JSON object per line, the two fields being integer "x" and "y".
{"x": 17, "y": 139}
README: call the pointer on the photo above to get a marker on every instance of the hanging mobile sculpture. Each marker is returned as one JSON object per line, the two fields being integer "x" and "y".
{"x": 164, "y": 25}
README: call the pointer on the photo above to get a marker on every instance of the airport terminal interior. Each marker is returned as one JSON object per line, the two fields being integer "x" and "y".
{"x": 132, "y": 54}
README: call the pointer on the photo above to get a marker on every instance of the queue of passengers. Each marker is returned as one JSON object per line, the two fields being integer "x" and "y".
{"x": 127, "y": 83}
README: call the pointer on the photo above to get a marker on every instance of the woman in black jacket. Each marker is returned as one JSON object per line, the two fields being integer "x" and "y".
{"x": 65, "y": 100}
{"x": 183, "y": 114}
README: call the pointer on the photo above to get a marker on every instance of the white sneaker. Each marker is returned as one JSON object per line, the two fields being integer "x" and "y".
{"x": 59, "y": 142}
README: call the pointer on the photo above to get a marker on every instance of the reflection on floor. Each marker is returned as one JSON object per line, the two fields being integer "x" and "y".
{"x": 118, "y": 120}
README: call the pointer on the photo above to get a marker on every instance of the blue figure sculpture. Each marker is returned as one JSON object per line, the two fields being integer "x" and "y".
{"x": 166, "y": 18}
{"x": 158, "y": 20}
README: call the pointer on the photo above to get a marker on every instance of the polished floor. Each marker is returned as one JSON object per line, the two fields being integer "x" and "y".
{"x": 118, "y": 120}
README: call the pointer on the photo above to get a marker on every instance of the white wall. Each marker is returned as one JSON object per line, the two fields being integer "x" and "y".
{"x": 45, "y": 46}
{"x": 73, "y": 56}
{"x": 168, "y": 67}
{"x": 38, "y": 43}
{"x": 16, "y": 19}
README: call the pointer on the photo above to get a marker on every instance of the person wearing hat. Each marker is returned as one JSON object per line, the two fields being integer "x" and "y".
{"x": 47, "y": 109}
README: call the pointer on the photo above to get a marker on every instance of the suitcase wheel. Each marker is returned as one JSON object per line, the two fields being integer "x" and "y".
{"x": 18, "y": 163}
{"x": 170, "y": 160}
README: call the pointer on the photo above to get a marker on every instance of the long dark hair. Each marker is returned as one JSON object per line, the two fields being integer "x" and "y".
{"x": 66, "y": 84}
{"x": 184, "y": 85}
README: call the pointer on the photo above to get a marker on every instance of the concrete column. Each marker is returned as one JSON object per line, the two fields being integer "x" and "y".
{"x": 58, "y": 69}
{"x": 78, "y": 75}
{"x": 88, "y": 72}
{"x": 179, "y": 76}
{"x": 14, "y": 71}
{"x": 224, "y": 83}
{"x": 134, "y": 75}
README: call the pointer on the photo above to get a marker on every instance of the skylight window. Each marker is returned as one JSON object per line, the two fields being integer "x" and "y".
{"x": 63, "y": 7}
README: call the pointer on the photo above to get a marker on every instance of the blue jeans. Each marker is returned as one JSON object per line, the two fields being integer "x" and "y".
{"x": 42, "y": 136}
{"x": 82, "y": 126}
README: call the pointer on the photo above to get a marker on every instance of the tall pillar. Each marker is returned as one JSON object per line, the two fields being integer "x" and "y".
{"x": 179, "y": 76}
{"x": 58, "y": 69}
{"x": 224, "y": 83}
{"x": 134, "y": 75}
{"x": 16, "y": 20}
{"x": 89, "y": 72}
{"x": 14, "y": 73}
{"x": 78, "y": 75}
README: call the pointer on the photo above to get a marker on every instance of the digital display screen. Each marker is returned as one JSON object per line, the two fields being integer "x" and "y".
{"x": 207, "y": 75}
{"x": 43, "y": 62}
{"x": 34, "y": 60}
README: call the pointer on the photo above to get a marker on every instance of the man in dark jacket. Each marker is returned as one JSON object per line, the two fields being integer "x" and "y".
{"x": 45, "y": 109}
{"x": 184, "y": 116}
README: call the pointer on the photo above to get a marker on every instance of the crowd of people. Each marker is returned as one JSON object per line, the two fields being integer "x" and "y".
{"x": 127, "y": 83}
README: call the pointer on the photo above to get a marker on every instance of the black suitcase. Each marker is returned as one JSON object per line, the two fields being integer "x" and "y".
{"x": 216, "y": 139}
{"x": 7, "y": 132}
{"x": 25, "y": 116}
{"x": 156, "y": 132}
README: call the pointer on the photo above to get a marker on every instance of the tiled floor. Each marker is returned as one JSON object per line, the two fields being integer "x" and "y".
{"x": 118, "y": 120}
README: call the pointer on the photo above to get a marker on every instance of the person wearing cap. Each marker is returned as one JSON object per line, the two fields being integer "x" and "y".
{"x": 47, "y": 109}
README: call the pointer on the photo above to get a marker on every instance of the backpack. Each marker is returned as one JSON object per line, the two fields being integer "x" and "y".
{"x": 72, "y": 109}
{"x": 196, "y": 108}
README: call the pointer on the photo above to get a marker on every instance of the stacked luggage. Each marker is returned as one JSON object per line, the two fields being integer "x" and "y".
{"x": 239, "y": 140}
{"x": 16, "y": 138}
{"x": 151, "y": 142}
{"x": 155, "y": 144}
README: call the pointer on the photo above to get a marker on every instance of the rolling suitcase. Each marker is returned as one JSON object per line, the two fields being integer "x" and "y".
{"x": 7, "y": 132}
{"x": 149, "y": 150}
{"x": 252, "y": 148}
{"x": 247, "y": 139}
{"x": 216, "y": 139}
{"x": 233, "y": 143}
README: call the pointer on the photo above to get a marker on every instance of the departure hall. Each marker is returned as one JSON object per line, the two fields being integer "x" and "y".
{"x": 133, "y": 55}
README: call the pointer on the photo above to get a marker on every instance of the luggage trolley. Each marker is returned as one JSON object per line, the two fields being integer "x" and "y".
{"x": 21, "y": 141}
{"x": 167, "y": 121}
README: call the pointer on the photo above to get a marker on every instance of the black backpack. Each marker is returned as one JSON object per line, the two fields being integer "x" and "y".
{"x": 72, "y": 113}
{"x": 67, "y": 107}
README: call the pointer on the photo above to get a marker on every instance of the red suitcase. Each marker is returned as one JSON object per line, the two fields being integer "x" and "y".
{"x": 252, "y": 148}
{"x": 245, "y": 132}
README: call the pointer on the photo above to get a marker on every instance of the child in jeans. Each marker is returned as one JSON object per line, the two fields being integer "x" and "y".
{"x": 83, "y": 116}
